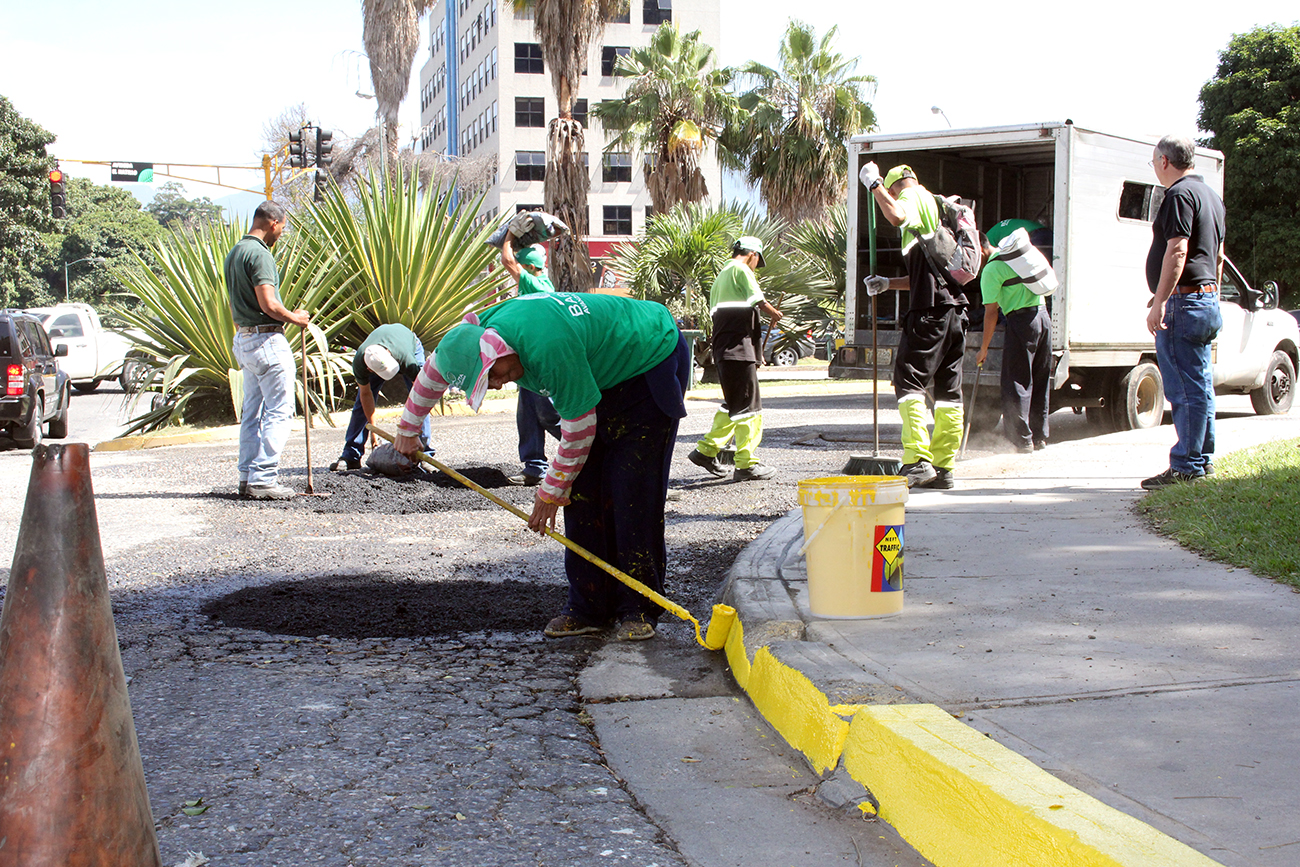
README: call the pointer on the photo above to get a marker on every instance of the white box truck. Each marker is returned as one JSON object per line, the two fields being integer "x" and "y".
{"x": 1095, "y": 194}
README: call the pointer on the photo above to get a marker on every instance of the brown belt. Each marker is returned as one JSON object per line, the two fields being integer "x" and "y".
{"x": 1204, "y": 287}
{"x": 259, "y": 329}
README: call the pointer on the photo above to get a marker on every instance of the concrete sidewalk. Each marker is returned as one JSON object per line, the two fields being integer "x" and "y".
{"x": 1045, "y": 623}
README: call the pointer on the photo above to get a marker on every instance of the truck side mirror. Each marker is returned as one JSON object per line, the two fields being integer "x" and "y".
{"x": 61, "y": 350}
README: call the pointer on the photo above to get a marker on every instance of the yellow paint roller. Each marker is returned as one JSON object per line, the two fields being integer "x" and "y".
{"x": 724, "y": 616}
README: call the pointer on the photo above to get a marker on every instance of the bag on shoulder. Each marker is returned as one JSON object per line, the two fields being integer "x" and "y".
{"x": 528, "y": 228}
{"x": 954, "y": 247}
{"x": 1033, "y": 271}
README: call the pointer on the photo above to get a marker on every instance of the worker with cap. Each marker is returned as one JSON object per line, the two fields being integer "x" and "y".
{"x": 616, "y": 369}
{"x": 386, "y": 352}
{"x": 535, "y": 415}
{"x": 734, "y": 302}
{"x": 933, "y": 337}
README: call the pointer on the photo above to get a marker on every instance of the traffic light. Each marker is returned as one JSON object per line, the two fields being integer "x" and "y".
{"x": 58, "y": 195}
{"x": 324, "y": 147}
{"x": 297, "y": 158}
{"x": 322, "y": 181}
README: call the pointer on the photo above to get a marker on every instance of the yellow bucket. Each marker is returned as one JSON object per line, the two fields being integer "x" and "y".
{"x": 853, "y": 540}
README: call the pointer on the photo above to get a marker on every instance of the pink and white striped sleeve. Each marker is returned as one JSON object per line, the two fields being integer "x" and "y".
{"x": 427, "y": 390}
{"x": 576, "y": 437}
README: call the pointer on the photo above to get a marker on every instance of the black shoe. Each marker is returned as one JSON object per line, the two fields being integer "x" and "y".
{"x": 753, "y": 473}
{"x": 918, "y": 473}
{"x": 1039, "y": 445}
{"x": 1024, "y": 448}
{"x": 1167, "y": 478}
{"x": 710, "y": 465}
{"x": 942, "y": 480}
{"x": 525, "y": 480}
{"x": 345, "y": 464}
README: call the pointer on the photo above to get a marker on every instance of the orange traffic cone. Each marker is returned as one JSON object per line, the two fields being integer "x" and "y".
{"x": 72, "y": 789}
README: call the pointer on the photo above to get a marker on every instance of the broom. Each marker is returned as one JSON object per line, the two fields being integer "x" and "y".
{"x": 873, "y": 464}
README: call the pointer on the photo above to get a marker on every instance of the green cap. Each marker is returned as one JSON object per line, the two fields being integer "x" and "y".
{"x": 897, "y": 173}
{"x": 749, "y": 244}
{"x": 531, "y": 255}
{"x": 460, "y": 361}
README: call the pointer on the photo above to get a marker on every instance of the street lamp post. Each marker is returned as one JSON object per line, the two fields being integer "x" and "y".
{"x": 67, "y": 287}
{"x": 934, "y": 109}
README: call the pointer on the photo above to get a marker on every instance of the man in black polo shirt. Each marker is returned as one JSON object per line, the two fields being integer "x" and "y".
{"x": 1183, "y": 271}
{"x": 263, "y": 353}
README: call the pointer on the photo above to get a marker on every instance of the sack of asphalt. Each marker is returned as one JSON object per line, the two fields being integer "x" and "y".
{"x": 390, "y": 462}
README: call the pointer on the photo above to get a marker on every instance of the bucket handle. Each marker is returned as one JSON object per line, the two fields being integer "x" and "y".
{"x": 808, "y": 543}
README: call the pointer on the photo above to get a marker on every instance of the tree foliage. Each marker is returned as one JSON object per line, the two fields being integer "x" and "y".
{"x": 24, "y": 198}
{"x": 391, "y": 33}
{"x": 1252, "y": 109}
{"x": 173, "y": 211}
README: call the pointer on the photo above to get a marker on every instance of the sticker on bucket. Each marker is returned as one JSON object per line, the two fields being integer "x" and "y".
{"x": 887, "y": 560}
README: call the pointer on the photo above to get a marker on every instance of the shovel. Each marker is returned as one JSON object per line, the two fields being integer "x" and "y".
{"x": 970, "y": 413}
{"x": 724, "y": 616}
{"x": 306, "y": 412}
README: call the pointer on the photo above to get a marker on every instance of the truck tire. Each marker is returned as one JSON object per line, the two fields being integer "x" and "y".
{"x": 86, "y": 387}
{"x": 1275, "y": 396}
{"x": 59, "y": 424}
{"x": 32, "y": 436}
{"x": 1138, "y": 399}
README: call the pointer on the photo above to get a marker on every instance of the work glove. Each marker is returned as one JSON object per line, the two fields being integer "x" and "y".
{"x": 869, "y": 175}
{"x": 875, "y": 284}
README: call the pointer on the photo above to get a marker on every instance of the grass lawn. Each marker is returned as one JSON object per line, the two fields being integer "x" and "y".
{"x": 1246, "y": 514}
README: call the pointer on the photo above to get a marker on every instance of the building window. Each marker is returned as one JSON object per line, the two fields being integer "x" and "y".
{"x": 649, "y": 212}
{"x": 530, "y": 111}
{"x": 609, "y": 57}
{"x": 528, "y": 58}
{"x": 657, "y": 11}
{"x": 530, "y": 166}
{"x": 618, "y": 219}
{"x": 580, "y": 111}
{"x": 1140, "y": 201}
{"x": 616, "y": 169}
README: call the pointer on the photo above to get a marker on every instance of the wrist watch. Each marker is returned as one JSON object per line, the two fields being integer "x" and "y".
{"x": 876, "y": 183}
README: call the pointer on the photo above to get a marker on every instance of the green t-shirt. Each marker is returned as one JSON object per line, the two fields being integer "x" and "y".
{"x": 733, "y": 302}
{"x": 994, "y": 290}
{"x": 920, "y": 213}
{"x": 401, "y": 341}
{"x": 530, "y": 284}
{"x": 250, "y": 263}
{"x": 573, "y": 346}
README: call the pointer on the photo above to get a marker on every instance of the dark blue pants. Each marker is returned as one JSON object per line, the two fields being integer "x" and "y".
{"x": 354, "y": 441}
{"x": 616, "y": 508}
{"x": 1026, "y": 375}
{"x": 535, "y": 417}
{"x": 1183, "y": 352}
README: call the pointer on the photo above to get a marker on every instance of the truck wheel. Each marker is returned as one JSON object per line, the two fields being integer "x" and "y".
{"x": 59, "y": 424}
{"x": 1138, "y": 399}
{"x": 133, "y": 375}
{"x": 86, "y": 387}
{"x": 1274, "y": 397}
{"x": 31, "y": 438}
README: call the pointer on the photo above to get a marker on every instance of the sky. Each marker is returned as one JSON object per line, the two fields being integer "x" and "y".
{"x": 185, "y": 82}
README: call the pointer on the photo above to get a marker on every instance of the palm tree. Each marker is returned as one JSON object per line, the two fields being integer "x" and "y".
{"x": 792, "y": 144}
{"x": 391, "y": 32}
{"x": 565, "y": 30}
{"x": 673, "y": 107}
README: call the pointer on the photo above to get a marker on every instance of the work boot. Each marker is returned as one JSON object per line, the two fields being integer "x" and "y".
{"x": 710, "y": 465}
{"x": 1168, "y": 477}
{"x": 345, "y": 464}
{"x": 753, "y": 473}
{"x": 942, "y": 480}
{"x": 567, "y": 625}
{"x": 634, "y": 629}
{"x": 1039, "y": 445}
{"x": 525, "y": 480}
{"x": 270, "y": 492}
{"x": 918, "y": 473}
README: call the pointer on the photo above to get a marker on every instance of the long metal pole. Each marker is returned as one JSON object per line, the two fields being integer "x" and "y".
{"x": 875, "y": 352}
{"x": 306, "y": 409}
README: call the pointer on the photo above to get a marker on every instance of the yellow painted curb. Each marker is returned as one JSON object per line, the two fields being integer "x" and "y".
{"x": 959, "y": 798}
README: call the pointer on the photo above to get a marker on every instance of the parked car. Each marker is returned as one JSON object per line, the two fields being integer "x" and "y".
{"x": 784, "y": 348}
{"x": 37, "y": 392}
{"x": 94, "y": 353}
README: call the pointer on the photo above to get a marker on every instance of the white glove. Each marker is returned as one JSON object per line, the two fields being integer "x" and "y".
{"x": 875, "y": 284}
{"x": 869, "y": 175}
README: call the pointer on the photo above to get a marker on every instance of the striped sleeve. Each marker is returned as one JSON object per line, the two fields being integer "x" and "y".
{"x": 576, "y": 437}
{"x": 425, "y": 392}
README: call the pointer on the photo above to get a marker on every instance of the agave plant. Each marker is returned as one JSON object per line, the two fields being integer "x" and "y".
{"x": 414, "y": 258}
{"x": 183, "y": 326}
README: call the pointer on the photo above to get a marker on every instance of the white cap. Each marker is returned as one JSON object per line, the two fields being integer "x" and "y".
{"x": 380, "y": 361}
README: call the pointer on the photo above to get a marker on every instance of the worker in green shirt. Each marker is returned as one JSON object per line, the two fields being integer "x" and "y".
{"x": 389, "y": 350}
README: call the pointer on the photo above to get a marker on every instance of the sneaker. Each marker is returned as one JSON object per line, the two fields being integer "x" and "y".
{"x": 634, "y": 629}
{"x": 918, "y": 473}
{"x": 525, "y": 480}
{"x": 753, "y": 473}
{"x": 942, "y": 480}
{"x": 345, "y": 464}
{"x": 710, "y": 465}
{"x": 1168, "y": 477}
{"x": 1039, "y": 445}
{"x": 270, "y": 492}
{"x": 567, "y": 625}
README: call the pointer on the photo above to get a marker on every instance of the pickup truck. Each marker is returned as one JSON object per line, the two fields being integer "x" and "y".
{"x": 94, "y": 354}
{"x": 36, "y": 390}
{"x": 1095, "y": 196}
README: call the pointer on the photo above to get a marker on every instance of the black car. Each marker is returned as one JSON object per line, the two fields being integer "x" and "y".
{"x": 36, "y": 391}
{"x": 784, "y": 348}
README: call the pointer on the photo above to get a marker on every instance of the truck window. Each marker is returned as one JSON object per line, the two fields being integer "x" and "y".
{"x": 1140, "y": 201}
{"x": 68, "y": 324}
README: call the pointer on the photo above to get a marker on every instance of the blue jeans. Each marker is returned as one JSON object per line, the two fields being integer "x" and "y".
{"x": 1183, "y": 353}
{"x": 267, "y": 363}
{"x": 535, "y": 416}
{"x": 354, "y": 441}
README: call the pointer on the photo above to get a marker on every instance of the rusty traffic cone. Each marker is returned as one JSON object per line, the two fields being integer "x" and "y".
{"x": 72, "y": 790}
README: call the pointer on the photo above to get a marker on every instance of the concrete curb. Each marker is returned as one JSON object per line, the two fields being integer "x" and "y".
{"x": 959, "y": 798}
